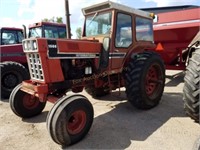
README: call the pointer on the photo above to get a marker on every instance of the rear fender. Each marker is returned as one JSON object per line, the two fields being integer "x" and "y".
{"x": 194, "y": 44}
{"x": 138, "y": 48}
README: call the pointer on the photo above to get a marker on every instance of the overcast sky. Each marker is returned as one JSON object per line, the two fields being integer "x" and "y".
{"x": 14, "y": 13}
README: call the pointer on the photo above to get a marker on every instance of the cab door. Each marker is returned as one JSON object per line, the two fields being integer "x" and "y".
{"x": 123, "y": 39}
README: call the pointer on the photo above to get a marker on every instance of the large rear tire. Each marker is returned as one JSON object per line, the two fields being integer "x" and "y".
{"x": 191, "y": 87}
{"x": 25, "y": 105}
{"x": 145, "y": 80}
{"x": 70, "y": 119}
{"x": 12, "y": 74}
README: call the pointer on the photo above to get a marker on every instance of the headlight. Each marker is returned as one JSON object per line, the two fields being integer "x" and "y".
{"x": 30, "y": 45}
{"x": 34, "y": 45}
{"x": 25, "y": 45}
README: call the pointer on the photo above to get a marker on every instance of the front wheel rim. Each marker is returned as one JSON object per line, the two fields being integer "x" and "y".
{"x": 29, "y": 102}
{"x": 76, "y": 122}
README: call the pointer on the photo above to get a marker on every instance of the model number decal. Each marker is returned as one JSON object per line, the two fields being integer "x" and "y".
{"x": 52, "y": 46}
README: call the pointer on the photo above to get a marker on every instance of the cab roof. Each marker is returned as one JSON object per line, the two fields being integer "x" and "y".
{"x": 112, "y": 5}
{"x": 10, "y": 28}
{"x": 38, "y": 24}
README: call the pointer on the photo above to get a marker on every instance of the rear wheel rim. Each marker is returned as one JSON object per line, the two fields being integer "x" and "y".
{"x": 152, "y": 80}
{"x": 76, "y": 122}
{"x": 10, "y": 81}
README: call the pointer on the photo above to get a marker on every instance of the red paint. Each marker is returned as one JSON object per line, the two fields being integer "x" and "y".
{"x": 151, "y": 78}
{"x": 175, "y": 30}
{"x": 76, "y": 122}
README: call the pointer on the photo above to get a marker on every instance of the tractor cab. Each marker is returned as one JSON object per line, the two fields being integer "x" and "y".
{"x": 9, "y": 36}
{"x": 120, "y": 28}
{"x": 47, "y": 30}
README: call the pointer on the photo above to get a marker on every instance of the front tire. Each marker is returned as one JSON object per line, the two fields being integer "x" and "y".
{"x": 70, "y": 119}
{"x": 192, "y": 86}
{"x": 25, "y": 105}
{"x": 145, "y": 80}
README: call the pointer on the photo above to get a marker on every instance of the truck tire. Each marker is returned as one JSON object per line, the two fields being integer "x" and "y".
{"x": 12, "y": 73}
{"x": 145, "y": 80}
{"x": 25, "y": 105}
{"x": 191, "y": 87}
{"x": 70, "y": 119}
{"x": 97, "y": 92}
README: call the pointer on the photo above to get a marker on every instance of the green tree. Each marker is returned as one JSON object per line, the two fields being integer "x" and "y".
{"x": 59, "y": 19}
{"x": 53, "y": 19}
{"x": 45, "y": 20}
{"x": 78, "y": 32}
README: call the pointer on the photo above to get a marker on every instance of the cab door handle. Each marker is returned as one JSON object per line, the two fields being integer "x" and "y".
{"x": 116, "y": 50}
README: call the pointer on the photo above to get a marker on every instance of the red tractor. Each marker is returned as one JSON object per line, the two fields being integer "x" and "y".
{"x": 116, "y": 50}
{"x": 13, "y": 60}
{"x": 178, "y": 37}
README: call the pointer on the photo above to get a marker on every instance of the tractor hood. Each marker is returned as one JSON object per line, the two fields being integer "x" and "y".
{"x": 69, "y": 48}
{"x": 63, "y": 48}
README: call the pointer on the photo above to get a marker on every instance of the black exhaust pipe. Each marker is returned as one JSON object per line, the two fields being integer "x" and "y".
{"x": 67, "y": 14}
{"x": 24, "y": 31}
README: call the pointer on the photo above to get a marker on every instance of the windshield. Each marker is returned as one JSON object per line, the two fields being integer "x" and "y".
{"x": 98, "y": 24}
{"x": 49, "y": 32}
{"x": 35, "y": 32}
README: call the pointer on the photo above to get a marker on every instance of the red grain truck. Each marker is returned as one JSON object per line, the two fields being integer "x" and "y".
{"x": 177, "y": 34}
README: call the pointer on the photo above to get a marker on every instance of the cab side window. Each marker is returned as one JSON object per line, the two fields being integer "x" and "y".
{"x": 62, "y": 32}
{"x": 123, "y": 37}
{"x": 9, "y": 37}
{"x": 54, "y": 32}
{"x": 20, "y": 36}
{"x": 144, "y": 29}
{"x": 50, "y": 32}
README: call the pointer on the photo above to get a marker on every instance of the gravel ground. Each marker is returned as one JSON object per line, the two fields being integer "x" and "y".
{"x": 117, "y": 125}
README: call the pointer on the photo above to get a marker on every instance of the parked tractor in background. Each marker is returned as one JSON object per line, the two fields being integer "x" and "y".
{"x": 13, "y": 60}
{"x": 116, "y": 50}
{"x": 178, "y": 37}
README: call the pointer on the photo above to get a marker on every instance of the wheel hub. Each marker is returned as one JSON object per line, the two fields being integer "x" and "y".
{"x": 77, "y": 122}
{"x": 151, "y": 80}
{"x": 10, "y": 81}
{"x": 29, "y": 102}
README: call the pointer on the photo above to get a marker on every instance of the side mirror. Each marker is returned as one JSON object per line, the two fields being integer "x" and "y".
{"x": 104, "y": 55}
{"x": 155, "y": 19}
{"x": 106, "y": 43}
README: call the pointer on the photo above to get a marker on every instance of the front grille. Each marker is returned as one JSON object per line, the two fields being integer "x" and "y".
{"x": 35, "y": 66}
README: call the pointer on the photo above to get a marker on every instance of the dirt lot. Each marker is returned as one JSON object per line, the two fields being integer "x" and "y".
{"x": 117, "y": 125}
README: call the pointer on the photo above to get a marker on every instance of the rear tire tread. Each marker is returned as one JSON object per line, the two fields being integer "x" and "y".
{"x": 191, "y": 87}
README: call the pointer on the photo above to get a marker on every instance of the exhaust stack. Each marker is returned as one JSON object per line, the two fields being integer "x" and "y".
{"x": 67, "y": 14}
